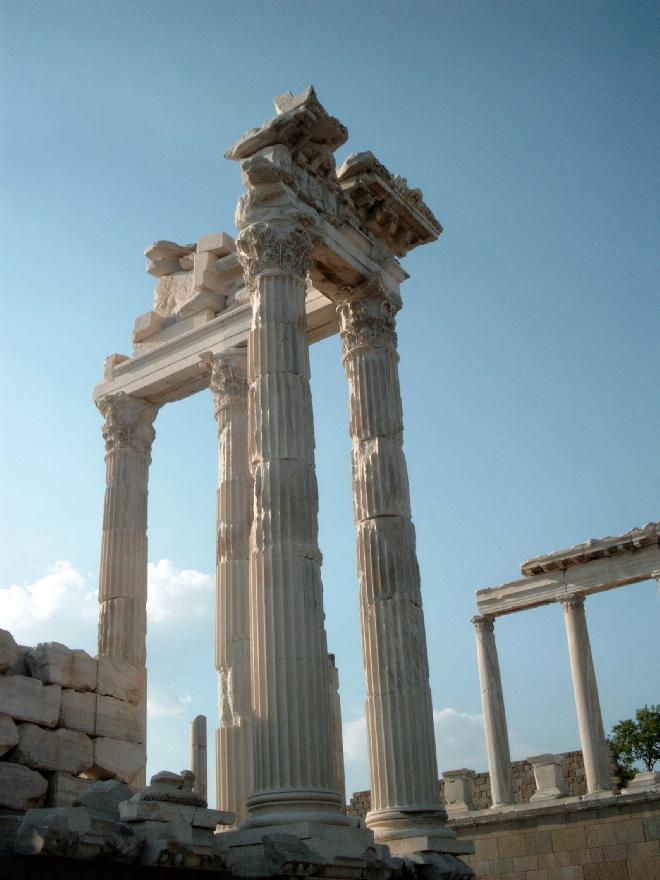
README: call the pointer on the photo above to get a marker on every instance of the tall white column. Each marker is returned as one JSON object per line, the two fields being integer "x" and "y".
{"x": 198, "y": 755}
{"x": 232, "y": 636}
{"x": 587, "y": 703}
{"x": 405, "y": 796}
{"x": 293, "y": 776}
{"x": 122, "y": 632}
{"x": 128, "y": 433}
{"x": 492, "y": 701}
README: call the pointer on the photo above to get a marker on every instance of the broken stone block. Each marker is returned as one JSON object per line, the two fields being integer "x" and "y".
{"x": 218, "y": 243}
{"x": 28, "y": 699}
{"x": 146, "y": 325}
{"x": 55, "y": 831}
{"x": 64, "y": 789}
{"x": 54, "y": 663}
{"x": 8, "y": 734}
{"x": 62, "y": 749}
{"x": 164, "y": 257}
{"x": 117, "y": 759}
{"x": 20, "y": 787}
{"x": 118, "y": 719}
{"x": 20, "y": 667}
{"x": 78, "y": 711}
{"x": 102, "y": 798}
{"x": 117, "y": 678}
{"x": 112, "y": 361}
{"x": 8, "y": 650}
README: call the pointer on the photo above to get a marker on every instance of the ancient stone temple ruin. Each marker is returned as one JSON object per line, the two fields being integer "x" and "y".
{"x": 317, "y": 253}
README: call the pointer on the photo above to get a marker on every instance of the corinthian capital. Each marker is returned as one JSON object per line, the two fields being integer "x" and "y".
{"x": 274, "y": 246}
{"x": 483, "y": 622}
{"x": 229, "y": 378}
{"x": 128, "y": 423}
{"x": 367, "y": 317}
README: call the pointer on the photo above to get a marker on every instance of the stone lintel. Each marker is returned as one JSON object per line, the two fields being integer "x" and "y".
{"x": 595, "y": 576}
{"x": 595, "y": 548}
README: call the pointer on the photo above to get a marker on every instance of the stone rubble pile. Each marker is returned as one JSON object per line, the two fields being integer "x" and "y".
{"x": 164, "y": 824}
{"x": 66, "y": 719}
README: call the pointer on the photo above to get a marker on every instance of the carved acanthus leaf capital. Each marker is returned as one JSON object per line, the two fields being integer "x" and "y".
{"x": 128, "y": 423}
{"x": 275, "y": 246}
{"x": 228, "y": 381}
{"x": 367, "y": 316}
{"x": 573, "y": 602}
{"x": 483, "y": 622}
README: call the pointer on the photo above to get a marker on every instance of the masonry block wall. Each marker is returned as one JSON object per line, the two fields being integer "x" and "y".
{"x": 523, "y": 784}
{"x": 66, "y": 719}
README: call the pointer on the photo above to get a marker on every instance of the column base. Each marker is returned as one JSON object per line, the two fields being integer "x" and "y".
{"x": 306, "y": 847}
{"x": 416, "y": 834}
{"x": 598, "y": 794}
{"x": 271, "y": 809}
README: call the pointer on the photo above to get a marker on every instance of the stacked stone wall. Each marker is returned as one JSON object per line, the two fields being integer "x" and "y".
{"x": 524, "y": 785}
{"x": 66, "y": 719}
{"x": 616, "y": 838}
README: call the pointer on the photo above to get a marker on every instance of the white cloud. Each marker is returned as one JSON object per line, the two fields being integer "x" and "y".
{"x": 459, "y": 739}
{"x": 60, "y": 606}
{"x": 177, "y": 594}
{"x": 164, "y": 704}
{"x": 355, "y": 739}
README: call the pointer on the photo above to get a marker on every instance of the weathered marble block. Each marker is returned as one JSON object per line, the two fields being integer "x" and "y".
{"x": 647, "y": 781}
{"x": 78, "y": 711}
{"x": 117, "y": 759}
{"x": 8, "y": 650}
{"x": 28, "y": 699}
{"x": 20, "y": 787}
{"x": 118, "y": 719}
{"x": 117, "y": 678}
{"x": 8, "y": 734}
{"x": 459, "y": 790}
{"x": 549, "y": 777}
{"x": 54, "y": 663}
{"x": 62, "y": 749}
{"x": 64, "y": 789}
{"x": 102, "y": 798}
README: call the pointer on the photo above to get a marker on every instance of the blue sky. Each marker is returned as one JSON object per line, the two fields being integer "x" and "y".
{"x": 528, "y": 338}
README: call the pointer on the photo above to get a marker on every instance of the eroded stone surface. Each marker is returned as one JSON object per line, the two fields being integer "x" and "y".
{"x": 117, "y": 759}
{"x": 118, "y": 678}
{"x": 61, "y": 749}
{"x": 28, "y": 699}
{"x": 54, "y": 663}
{"x": 20, "y": 787}
{"x": 64, "y": 789}
{"x": 8, "y": 650}
{"x": 8, "y": 734}
{"x": 78, "y": 711}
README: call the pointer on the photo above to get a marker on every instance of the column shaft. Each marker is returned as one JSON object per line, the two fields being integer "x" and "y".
{"x": 232, "y": 642}
{"x": 198, "y": 756}
{"x": 492, "y": 701}
{"x": 402, "y": 756}
{"x": 292, "y": 751}
{"x": 587, "y": 703}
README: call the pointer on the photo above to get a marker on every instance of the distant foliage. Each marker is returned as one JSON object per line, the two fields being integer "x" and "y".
{"x": 638, "y": 740}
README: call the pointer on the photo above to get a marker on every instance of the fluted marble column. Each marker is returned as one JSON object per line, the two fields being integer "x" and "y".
{"x": 232, "y": 636}
{"x": 492, "y": 701}
{"x": 336, "y": 733}
{"x": 128, "y": 433}
{"x": 292, "y": 749}
{"x": 405, "y": 798}
{"x": 587, "y": 702}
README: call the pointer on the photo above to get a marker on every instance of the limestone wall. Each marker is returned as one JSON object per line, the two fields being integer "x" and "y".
{"x": 66, "y": 718}
{"x": 614, "y": 838}
{"x": 523, "y": 784}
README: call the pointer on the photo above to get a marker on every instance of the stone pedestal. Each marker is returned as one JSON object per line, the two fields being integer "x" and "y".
{"x": 587, "y": 703}
{"x": 232, "y": 642}
{"x": 198, "y": 758}
{"x": 492, "y": 701}
{"x": 406, "y": 810}
{"x": 129, "y": 434}
{"x": 549, "y": 778}
{"x": 293, "y": 778}
{"x": 459, "y": 790}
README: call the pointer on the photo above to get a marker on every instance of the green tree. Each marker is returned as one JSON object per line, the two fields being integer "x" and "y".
{"x": 638, "y": 740}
